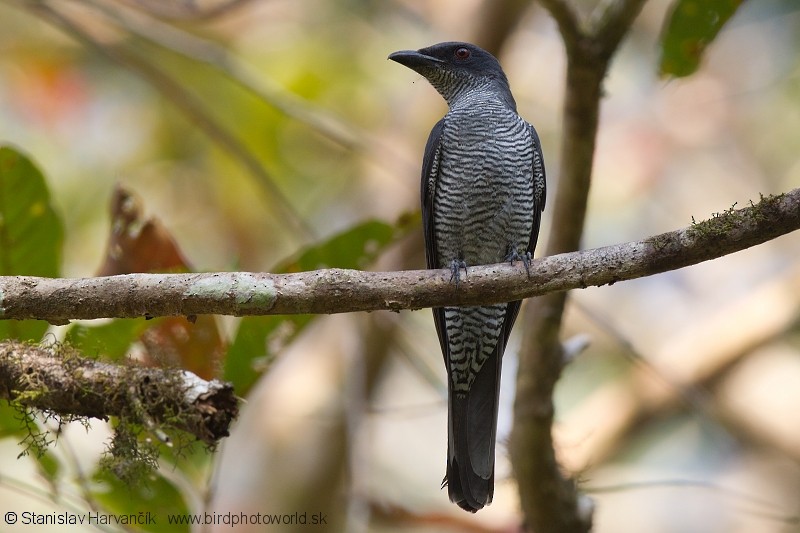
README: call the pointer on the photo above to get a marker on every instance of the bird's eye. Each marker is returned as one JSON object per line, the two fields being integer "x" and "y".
{"x": 463, "y": 53}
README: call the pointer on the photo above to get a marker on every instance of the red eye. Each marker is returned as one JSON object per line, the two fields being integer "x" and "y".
{"x": 463, "y": 53}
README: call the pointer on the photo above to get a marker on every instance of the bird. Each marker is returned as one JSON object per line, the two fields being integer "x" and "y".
{"x": 483, "y": 190}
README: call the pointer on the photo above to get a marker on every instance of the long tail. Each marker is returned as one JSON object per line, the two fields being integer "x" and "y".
{"x": 472, "y": 421}
{"x": 471, "y": 435}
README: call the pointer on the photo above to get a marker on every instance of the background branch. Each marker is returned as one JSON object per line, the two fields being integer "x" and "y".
{"x": 339, "y": 291}
{"x": 549, "y": 501}
{"x": 188, "y": 104}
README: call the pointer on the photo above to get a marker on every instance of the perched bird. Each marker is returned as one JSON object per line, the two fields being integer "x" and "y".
{"x": 483, "y": 192}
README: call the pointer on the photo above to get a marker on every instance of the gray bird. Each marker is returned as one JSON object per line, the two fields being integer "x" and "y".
{"x": 483, "y": 192}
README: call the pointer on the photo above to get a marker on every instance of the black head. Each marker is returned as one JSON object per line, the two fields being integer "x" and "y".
{"x": 453, "y": 67}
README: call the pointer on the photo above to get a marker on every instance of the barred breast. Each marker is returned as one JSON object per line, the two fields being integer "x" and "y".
{"x": 483, "y": 205}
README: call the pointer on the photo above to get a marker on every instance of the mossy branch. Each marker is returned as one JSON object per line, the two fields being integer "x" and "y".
{"x": 59, "y": 381}
{"x": 339, "y": 291}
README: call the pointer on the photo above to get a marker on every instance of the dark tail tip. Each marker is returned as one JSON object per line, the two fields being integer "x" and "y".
{"x": 471, "y": 497}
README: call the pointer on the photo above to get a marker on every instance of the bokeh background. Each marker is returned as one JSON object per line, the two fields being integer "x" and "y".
{"x": 681, "y": 414}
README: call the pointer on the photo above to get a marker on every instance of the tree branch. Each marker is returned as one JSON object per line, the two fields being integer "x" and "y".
{"x": 550, "y": 501}
{"x": 567, "y": 20}
{"x": 340, "y": 291}
{"x": 67, "y": 384}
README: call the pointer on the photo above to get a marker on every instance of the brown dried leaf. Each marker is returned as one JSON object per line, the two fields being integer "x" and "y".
{"x": 145, "y": 245}
{"x": 137, "y": 245}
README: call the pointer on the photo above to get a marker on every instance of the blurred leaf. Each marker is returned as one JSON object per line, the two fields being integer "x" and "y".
{"x": 196, "y": 346}
{"x": 48, "y": 466}
{"x": 689, "y": 29}
{"x": 259, "y": 339}
{"x": 156, "y": 496}
{"x": 31, "y": 233}
{"x": 111, "y": 340}
{"x": 356, "y": 247}
{"x": 10, "y": 421}
{"x": 138, "y": 244}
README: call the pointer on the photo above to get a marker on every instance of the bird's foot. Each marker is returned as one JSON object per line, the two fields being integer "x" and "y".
{"x": 526, "y": 258}
{"x": 455, "y": 270}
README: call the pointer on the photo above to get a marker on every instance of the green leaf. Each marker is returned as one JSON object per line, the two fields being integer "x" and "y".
{"x": 260, "y": 338}
{"x": 690, "y": 28}
{"x": 257, "y": 341}
{"x": 151, "y": 501}
{"x": 49, "y": 467}
{"x": 112, "y": 340}
{"x": 356, "y": 247}
{"x": 11, "y": 421}
{"x": 31, "y": 233}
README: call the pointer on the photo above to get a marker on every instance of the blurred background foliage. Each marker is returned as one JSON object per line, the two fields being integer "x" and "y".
{"x": 272, "y": 135}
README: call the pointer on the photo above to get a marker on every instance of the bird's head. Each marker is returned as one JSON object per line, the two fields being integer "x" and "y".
{"x": 456, "y": 69}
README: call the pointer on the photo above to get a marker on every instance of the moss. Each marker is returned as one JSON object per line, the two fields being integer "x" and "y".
{"x": 128, "y": 457}
{"x": 58, "y": 382}
{"x": 764, "y": 209}
{"x": 718, "y": 225}
{"x": 722, "y": 224}
{"x": 36, "y": 440}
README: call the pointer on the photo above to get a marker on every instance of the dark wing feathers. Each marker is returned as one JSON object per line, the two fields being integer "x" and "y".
{"x": 430, "y": 174}
{"x": 539, "y": 180}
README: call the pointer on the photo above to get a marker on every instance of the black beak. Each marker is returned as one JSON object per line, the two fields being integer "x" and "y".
{"x": 415, "y": 60}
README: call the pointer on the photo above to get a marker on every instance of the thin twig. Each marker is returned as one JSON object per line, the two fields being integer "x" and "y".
{"x": 186, "y": 11}
{"x": 569, "y": 25}
{"x": 186, "y": 102}
{"x": 207, "y": 52}
{"x": 612, "y": 23}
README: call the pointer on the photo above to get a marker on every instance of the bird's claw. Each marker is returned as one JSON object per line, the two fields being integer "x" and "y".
{"x": 455, "y": 270}
{"x": 526, "y": 258}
